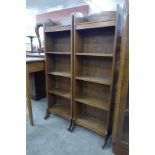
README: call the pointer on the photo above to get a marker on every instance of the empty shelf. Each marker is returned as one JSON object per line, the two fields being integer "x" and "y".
{"x": 61, "y": 110}
{"x": 63, "y": 74}
{"x": 65, "y": 53}
{"x": 95, "y": 54}
{"x": 99, "y": 80}
{"x": 92, "y": 124}
{"x": 60, "y": 92}
{"x": 93, "y": 102}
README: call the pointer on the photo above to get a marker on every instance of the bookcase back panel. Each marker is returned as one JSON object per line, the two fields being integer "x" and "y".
{"x": 59, "y": 42}
{"x": 48, "y": 42}
{"x": 97, "y": 91}
{"x": 97, "y": 40}
{"x": 94, "y": 66}
{"x": 62, "y": 63}
{"x": 58, "y": 63}
{"x": 51, "y": 82}
{"x": 54, "y": 99}
{"x": 93, "y": 112}
{"x": 51, "y": 100}
{"x": 63, "y": 83}
{"x": 58, "y": 83}
{"x": 62, "y": 101}
{"x": 49, "y": 63}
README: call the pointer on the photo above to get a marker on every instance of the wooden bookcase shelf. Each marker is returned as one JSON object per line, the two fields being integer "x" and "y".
{"x": 95, "y": 54}
{"x": 62, "y": 74}
{"x": 65, "y": 53}
{"x": 95, "y": 41}
{"x": 58, "y": 52}
{"x": 59, "y": 105}
{"x": 94, "y": 102}
{"x": 92, "y": 118}
{"x": 60, "y": 110}
{"x": 58, "y": 65}
{"x": 93, "y": 94}
{"x": 92, "y": 124}
{"x": 94, "y": 69}
{"x": 60, "y": 92}
{"x": 58, "y": 41}
{"x": 99, "y": 80}
{"x": 94, "y": 57}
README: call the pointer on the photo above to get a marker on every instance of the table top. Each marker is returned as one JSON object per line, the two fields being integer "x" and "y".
{"x": 34, "y": 59}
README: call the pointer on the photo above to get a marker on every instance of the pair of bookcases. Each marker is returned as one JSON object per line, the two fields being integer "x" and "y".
{"x": 80, "y": 59}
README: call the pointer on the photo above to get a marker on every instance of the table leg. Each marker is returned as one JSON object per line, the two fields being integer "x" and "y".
{"x": 28, "y": 96}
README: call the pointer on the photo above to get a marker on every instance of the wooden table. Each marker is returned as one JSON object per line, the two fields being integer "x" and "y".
{"x": 32, "y": 65}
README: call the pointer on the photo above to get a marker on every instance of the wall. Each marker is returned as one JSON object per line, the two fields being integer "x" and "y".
{"x": 62, "y": 13}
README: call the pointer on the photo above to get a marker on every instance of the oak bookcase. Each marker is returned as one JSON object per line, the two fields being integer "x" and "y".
{"x": 80, "y": 60}
{"x": 58, "y": 50}
{"x": 94, "y": 59}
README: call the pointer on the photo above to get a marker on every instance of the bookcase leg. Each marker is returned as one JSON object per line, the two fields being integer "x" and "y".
{"x": 72, "y": 127}
{"x": 70, "y": 124}
{"x": 47, "y": 114}
{"x": 105, "y": 143}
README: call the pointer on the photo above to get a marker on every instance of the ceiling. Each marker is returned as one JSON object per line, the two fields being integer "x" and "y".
{"x": 34, "y": 7}
{"x": 41, "y": 6}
